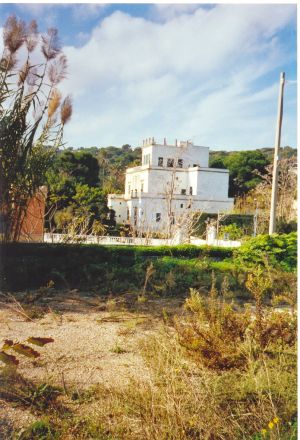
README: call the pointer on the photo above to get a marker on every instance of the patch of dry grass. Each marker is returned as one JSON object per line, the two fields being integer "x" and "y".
{"x": 182, "y": 400}
{"x": 176, "y": 395}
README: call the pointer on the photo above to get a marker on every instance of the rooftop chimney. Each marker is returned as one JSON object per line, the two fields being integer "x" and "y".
{"x": 175, "y": 142}
{"x": 165, "y": 141}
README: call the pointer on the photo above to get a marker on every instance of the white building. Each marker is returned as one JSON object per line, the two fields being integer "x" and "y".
{"x": 172, "y": 182}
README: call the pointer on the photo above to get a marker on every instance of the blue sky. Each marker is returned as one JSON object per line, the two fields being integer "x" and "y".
{"x": 208, "y": 73}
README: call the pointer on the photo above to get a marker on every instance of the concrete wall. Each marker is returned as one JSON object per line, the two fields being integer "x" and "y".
{"x": 119, "y": 205}
{"x": 161, "y": 181}
{"x": 212, "y": 184}
{"x": 135, "y": 180}
{"x": 190, "y": 155}
{"x": 181, "y": 206}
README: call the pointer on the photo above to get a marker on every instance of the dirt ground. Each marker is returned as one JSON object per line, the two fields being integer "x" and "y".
{"x": 96, "y": 340}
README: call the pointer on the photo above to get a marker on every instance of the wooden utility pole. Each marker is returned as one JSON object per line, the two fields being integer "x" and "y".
{"x": 218, "y": 224}
{"x": 272, "y": 225}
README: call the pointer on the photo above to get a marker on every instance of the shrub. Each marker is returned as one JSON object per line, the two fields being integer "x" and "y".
{"x": 232, "y": 231}
{"x": 219, "y": 336}
{"x": 214, "y": 333}
{"x": 280, "y": 250}
{"x": 39, "y": 430}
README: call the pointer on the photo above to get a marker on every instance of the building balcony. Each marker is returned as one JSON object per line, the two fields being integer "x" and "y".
{"x": 135, "y": 194}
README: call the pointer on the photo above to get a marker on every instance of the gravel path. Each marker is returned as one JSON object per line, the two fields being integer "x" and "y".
{"x": 92, "y": 344}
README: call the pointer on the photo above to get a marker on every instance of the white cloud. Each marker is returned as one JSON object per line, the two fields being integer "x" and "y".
{"x": 166, "y": 11}
{"x": 42, "y": 12}
{"x": 85, "y": 11}
{"x": 192, "y": 73}
{"x": 37, "y": 10}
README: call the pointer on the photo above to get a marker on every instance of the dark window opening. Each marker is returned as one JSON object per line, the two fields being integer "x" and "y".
{"x": 180, "y": 163}
{"x": 183, "y": 191}
{"x": 158, "y": 216}
{"x": 135, "y": 215}
{"x": 191, "y": 190}
{"x": 195, "y": 165}
{"x": 170, "y": 163}
{"x": 160, "y": 161}
{"x": 181, "y": 206}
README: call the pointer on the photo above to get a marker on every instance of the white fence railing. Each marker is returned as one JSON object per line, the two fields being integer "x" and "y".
{"x": 215, "y": 242}
{"x": 109, "y": 240}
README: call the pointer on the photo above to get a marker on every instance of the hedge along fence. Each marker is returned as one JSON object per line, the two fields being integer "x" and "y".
{"x": 119, "y": 268}
{"x": 28, "y": 265}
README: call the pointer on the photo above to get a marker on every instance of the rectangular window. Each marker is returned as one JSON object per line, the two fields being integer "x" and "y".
{"x": 160, "y": 161}
{"x": 170, "y": 163}
{"x": 181, "y": 206}
{"x": 191, "y": 190}
{"x": 172, "y": 218}
{"x": 195, "y": 165}
{"x": 180, "y": 163}
{"x": 183, "y": 191}
{"x": 158, "y": 216}
{"x": 135, "y": 214}
{"x": 146, "y": 159}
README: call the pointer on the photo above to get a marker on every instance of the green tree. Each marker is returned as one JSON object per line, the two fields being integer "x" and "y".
{"x": 80, "y": 165}
{"x": 242, "y": 167}
{"x": 113, "y": 162}
{"x": 86, "y": 211}
{"x": 89, "y": 200}
{"x": 69, "y": 169}
{"x": 217, "y": 162}
{"x": 32, "y": 117}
